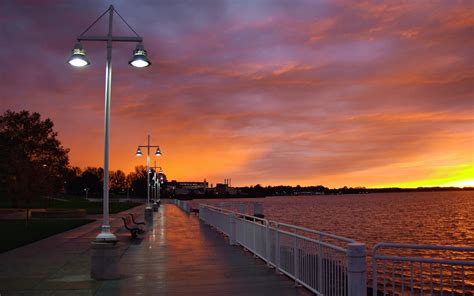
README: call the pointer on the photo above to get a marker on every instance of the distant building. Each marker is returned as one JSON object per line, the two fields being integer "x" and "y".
{"x": 226, "y": 189}
{"x": 183, "y": 188}
{"x": 221, "y": 188}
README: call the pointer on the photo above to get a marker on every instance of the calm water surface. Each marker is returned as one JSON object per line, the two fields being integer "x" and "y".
{"x": 445, "y": 218}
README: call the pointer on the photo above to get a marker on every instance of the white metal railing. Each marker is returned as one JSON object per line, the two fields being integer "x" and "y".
{"x": 324, "y": 263}
{"x": 243, "y": 207}
{"x": 408, "y": 269}
{"x": 183, "y": 205}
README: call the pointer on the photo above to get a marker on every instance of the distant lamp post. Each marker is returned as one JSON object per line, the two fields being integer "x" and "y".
{"x": 157, "y": 178}
{"x": 80, "y": 59}
{"x": 139, "y": 152}
{"x": 148, "y": 209}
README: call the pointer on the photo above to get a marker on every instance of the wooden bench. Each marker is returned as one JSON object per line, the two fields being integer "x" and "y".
{"x": 134, "y": 231}
{"x": 134, "y": 222}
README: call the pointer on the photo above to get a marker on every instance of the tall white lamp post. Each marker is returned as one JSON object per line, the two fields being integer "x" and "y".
{"x": 79, "y": 59}
{"x": 148, "y": 209}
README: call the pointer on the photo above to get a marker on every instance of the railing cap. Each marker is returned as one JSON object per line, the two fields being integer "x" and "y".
{"x": 356, "y": 249}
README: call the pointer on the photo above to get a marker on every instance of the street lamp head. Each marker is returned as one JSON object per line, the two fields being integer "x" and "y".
{"x": 78, "y": 57}
{"x": 139, "y": 152}
{"x": 139, "y": 59}
{"x": 158, "y": 152}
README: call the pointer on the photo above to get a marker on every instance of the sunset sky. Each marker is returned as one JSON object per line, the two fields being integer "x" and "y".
{"x": 273, "y": 92}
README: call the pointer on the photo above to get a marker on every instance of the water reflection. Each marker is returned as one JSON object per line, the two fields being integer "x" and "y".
{"x": 421, "y": 217}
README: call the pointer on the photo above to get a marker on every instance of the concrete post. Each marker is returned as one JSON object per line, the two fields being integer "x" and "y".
{"x": 105, "y": 260}
{"x": 357, "y": 269}
{"x": 149, "y": 216}
{"x": 232, "y": 230}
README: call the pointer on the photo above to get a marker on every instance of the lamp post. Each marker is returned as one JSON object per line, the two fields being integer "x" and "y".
{"x": 79, "y": 59}
{"x": 148, "y": 209}
{"x": 158, "y": 178}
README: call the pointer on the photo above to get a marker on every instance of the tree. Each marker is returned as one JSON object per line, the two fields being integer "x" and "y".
{"x": 32, "y": 160}
{"x": 138, "y": 181}
{"x": 118, "y": 181}
{"x": 93, "y": 178}
{"x": 73, "y": 182}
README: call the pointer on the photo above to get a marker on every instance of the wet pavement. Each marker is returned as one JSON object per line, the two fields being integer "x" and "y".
{"x": 178, "y": 255}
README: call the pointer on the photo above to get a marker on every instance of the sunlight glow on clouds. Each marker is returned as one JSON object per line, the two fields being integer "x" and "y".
{"x": 274, "y": 92}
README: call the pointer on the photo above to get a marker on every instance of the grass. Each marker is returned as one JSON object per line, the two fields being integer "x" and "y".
{"x": 15, "y": 233}
{"x": 72, "y": 203}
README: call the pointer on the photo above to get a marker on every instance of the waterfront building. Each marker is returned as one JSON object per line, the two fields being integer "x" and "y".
{"x": 184, "y": 188}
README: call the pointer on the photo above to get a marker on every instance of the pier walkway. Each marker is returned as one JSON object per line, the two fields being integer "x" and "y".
{"x": 177, "y": 256}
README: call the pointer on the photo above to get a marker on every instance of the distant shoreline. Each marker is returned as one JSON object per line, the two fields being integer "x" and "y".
{"x": 341, "y": 191}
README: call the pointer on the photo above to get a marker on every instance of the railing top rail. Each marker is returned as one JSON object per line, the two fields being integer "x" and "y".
{"x": 216, "y": 208}
{"x": 427, "y": 260}
{"x": 257, "y": 223}
{"x": 345, "y": 239}
{"x": 250, "y": 217}
{"x": 331, "y": 246}
{"x": 277, "y": 224}
{"x": 232, "y": 212}
{"x": 420, "y": 247}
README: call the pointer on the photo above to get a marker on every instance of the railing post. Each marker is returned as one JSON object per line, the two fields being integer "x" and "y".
{"x": 267, "y": 242}
{"x": 357, "y": 269}
{"x": 277, "y": 248}
{"x": 295, "y": 261}
{"x": 254, "y": 236}
{"x": 257, "y": 209}
{"x": 201, "y": 213}
{"x": 374, "y": 271}
{"x": 186, "y": 207}
{"x": 242, "y": 208}
{"x": 232, "y": 230}
{"x": 320, "y": 264}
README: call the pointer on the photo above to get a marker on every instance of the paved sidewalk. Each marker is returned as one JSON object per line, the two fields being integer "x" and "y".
{"x": 177, "y": 256}
{"x": 59, "y": 264}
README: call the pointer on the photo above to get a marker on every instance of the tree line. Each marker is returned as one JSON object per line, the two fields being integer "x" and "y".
{"x": 34, "y": 163}
{"x": 90, "y": 182}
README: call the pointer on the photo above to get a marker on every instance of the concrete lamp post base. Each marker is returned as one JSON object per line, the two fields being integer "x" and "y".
{"x": 155, "y": 207}
{"x": 149, "y": 216}
{"x": 105, "y": 260}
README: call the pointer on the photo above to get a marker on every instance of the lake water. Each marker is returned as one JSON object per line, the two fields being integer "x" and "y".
{"x": 445, "y": 218}
{"x": 441, "y": 218}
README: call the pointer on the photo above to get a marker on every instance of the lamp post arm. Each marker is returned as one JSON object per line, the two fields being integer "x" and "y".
{"x": 110, "y": 10}
{"x": 114, "y": 38}
{"x": 148, "y": 146}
